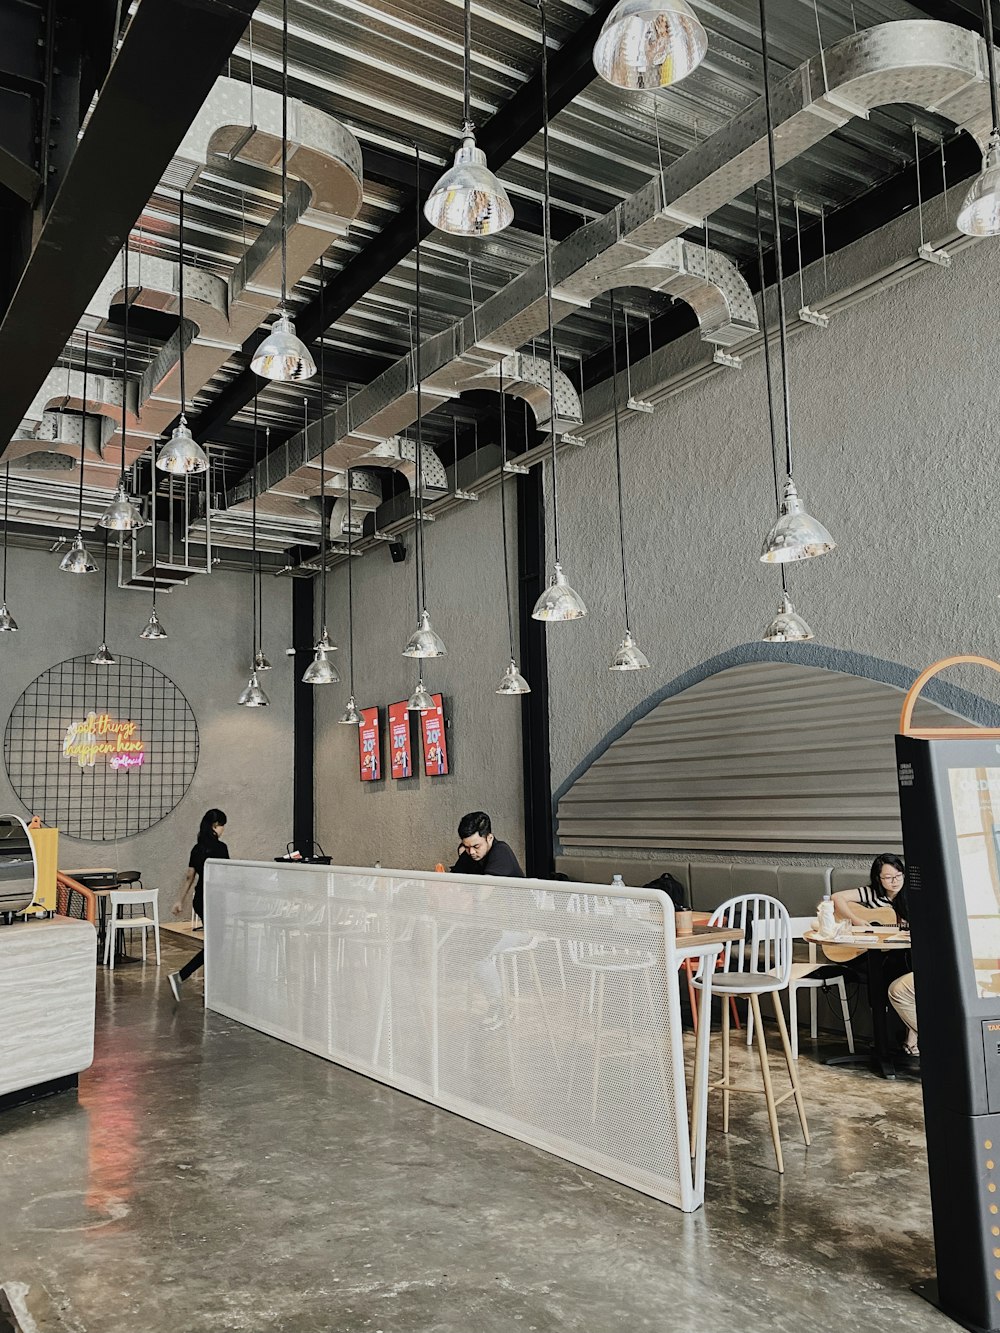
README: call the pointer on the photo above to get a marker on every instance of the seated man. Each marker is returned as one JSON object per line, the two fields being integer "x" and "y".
{"x": 481, "y": 853}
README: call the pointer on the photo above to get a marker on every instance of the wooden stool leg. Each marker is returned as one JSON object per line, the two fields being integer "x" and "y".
{"x": 689, "y": 968}
{"x": 736, "y": 1012}
{"x": 793, "y": 1073}
{"x": 772, "y": 1110}
{"x": 725, "y": 1067}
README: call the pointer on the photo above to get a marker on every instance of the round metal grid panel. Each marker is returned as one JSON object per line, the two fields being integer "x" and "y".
{"x": 115, "y": 795}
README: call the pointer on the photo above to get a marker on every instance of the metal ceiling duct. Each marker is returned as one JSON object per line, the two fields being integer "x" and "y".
{"x": 324, "y": 162}
{"x": 926, "y": 63}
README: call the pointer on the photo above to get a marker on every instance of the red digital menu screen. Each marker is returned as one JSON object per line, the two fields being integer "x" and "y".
{"x": 432, "y": 737}
{"x": 400, "y": 744}
{"x": 368, "y": 744}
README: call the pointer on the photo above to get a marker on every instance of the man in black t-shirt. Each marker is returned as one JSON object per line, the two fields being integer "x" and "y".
{"x": 480, "y": 853}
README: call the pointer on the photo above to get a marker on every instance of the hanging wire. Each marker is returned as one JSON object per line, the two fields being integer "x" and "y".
{"x": 547, "y": 248}
{"x": 467, "y": 81}
{"x": 284, "y": 153}
{"x": 322, "y": 507}
{"x": 180, "y": 298}
{"x": 618, "y": 466}
{"x": 422, "y": 567}
{"x": 128, "y": 304}
{"x": 253, "y": 544}
{"x": 83, "y": 427}
{"x": 6, "y": 491}
{"x": 773, "y": 175}
{"x": 991, "y": 62}
{"x": 350, "y": 583}
{"x": 104, "y": 608}
{"x": 322, "y": 434}
{"x": 772, "y": 423}
{"x": 503, "y": 515}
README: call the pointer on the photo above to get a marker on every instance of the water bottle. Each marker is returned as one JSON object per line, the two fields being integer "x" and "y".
{"x": 826, "y": 920}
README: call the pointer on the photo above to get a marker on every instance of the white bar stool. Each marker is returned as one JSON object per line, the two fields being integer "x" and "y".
{"x": 131, "y": 898}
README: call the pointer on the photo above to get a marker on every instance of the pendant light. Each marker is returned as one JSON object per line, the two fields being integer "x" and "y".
{"x": 77, "y": 559}
{"x": 260, "y": 662}
{"x": 283, "y": 356}
{"x": 182, "y": 454}
{"x": 351, "y": 717}
{"x": 121, "y": 514}
{"x": 419, "y": 701}
{"x": 559, "y": 601}
{"x": 423, "y": 642}
{"x": 980, "y": 213}
{"x": 629, "y": 656}
{"x": 511, "y": 682}
{"x": 787, "y": 626}
{"x": 321, "y": 670}
{"x": 468, "y": 200}
{"x": 103, "y": 655}
{"x": 153, "y": 628}
{"x": 796, "y": 535}
{"x": 253, "y": 696}
{"x": 8, "y": 625}
{"x": 649, "y": 44}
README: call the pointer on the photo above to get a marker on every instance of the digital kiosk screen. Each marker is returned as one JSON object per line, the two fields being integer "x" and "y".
{"x": 975, "y": 804}
{"x": 368, "y": 743}
{"x": 432, "y": 736}
{"x": 400, "y": 743}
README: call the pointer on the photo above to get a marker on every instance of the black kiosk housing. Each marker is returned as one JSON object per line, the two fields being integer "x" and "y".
{"x": 950, "y": 801}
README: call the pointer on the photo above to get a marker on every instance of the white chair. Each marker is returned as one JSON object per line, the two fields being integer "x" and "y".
{"x": 802, "y": 979}
{"x": 750, "y": 973}
{"x": 131, "y": 898}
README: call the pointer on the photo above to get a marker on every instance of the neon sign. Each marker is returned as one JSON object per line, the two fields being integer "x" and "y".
{"x": 99, "y": 734}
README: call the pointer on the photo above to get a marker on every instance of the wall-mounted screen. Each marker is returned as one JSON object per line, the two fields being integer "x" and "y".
{"x": 433, "y": 739}
{"x": 975, "y": 803}
{"x": 400, "y": 741}
{"x": 369, "y": 746}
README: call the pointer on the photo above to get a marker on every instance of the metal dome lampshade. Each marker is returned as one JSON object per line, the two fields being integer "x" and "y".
{"x": 351, "y": 717}
{"x": 787, "y": 626}
{"x": 649, "y": 44}
{"x": 283, "y": 356}
{"x": 796, "y": 535}
{"x": 121, "y": 514}
{"x": 260, "y": 662}
{"x": 423, "y": 642}
{"x": 419, "y": 701}
{"x": 629, "y": 656}
{"x": 8, "y": 625}
{"x": 103, "y": 656}
{"x": 77, "y": 559}
{"x": 153, "y": 630}
{"x": 253, "y": 696}
{"x": 182, "y": 455}
{"x": 559, "y": 601}
{"x": 512, "y": 682}
{"x": 321, "y": 671}
{"x": 469, "y": 200}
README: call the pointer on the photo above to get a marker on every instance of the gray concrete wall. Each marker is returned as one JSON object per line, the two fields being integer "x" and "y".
{"x": 894, "y": 410}
{"x": 245, "y": 764}
{"x": 411, "y": 824}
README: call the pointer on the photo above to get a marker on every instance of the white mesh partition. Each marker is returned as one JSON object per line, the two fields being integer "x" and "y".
{"x": 548, "y": 1011}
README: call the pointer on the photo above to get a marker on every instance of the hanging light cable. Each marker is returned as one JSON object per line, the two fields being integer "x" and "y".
{"x": 181, "y": 454}
{"x": 787, "y": 626}
{"x": 321, "y": 670}
{"x": 8, "y": 625}
{"x": 559, "y": 601}
{"x": 252, "y": 695}
{"x": 352, "y": 717}
{"x": 103, "y": 655}
{"x": 260, "y": 662}
{"x": 629, "y": 656}
{"x": 423, "y": 642}
{"x": 122, "y": 515}
{"x": 77, "y": 559}
{"x": 511, "y": 682}
{"x": 649, "y": 44}
{"x": 468, "y": 200}
{"x": 796, "y": 535}
{"x": 283, "y": 356}
{"x": 980, "y": 213}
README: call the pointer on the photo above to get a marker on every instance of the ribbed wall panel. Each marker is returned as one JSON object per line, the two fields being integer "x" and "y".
{"x": 767, "y": 757}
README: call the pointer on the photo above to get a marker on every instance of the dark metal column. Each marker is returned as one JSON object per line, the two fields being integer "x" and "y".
{"x": 303, "y": 715}
{"x": 539, "y": 839}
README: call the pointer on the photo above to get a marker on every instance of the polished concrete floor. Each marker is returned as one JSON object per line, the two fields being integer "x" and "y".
{"x": 209, "y": 1179}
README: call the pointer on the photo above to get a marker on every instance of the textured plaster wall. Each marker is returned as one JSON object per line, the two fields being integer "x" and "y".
{"x": 894, "y": 410}
{"x": 411, "y": 824}
{"x": 245, "y": 764}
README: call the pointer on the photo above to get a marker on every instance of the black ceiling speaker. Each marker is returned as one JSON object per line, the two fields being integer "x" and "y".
{"x": 398, "y": 552}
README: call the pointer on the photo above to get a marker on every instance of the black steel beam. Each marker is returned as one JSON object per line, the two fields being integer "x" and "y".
{"x": 303, "y": 718}
{"x": 532, "y": 577}
{"x": 512, "y": 126}
{"x": 18, "y": 177}
{"x": 134, "y": 129}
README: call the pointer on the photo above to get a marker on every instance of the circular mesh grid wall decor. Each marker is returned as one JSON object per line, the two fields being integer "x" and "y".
{"x": 101, "y": 752}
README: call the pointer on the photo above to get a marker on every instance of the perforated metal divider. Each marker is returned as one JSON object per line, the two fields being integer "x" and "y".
{"x": 548, "y": 1011}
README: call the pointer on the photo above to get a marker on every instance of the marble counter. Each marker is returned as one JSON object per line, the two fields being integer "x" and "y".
{"x": 47, "y": 986}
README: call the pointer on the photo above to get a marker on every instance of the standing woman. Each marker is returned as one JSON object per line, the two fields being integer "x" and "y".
{"x": 209, "y": 847}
